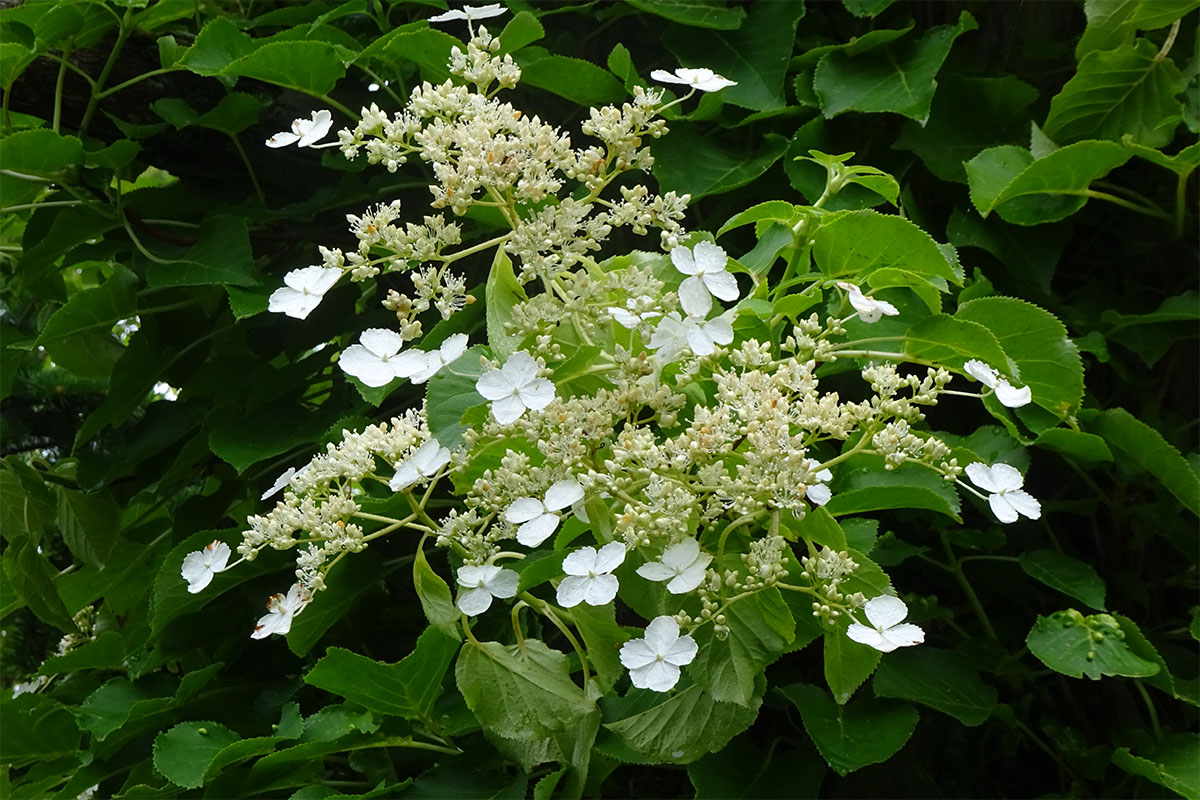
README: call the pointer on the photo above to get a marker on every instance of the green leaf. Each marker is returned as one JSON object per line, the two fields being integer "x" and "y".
{"x": 849, "y": 737}
{"x": 967, "y": 116}
{"x": 435, "y": 597}
{"x": 1068, "y": 575}
{"x": 14, "y": 58}
{"x": 602, "y": 637}
{"x": 1127, "y": 91}
{"x": 952, "y": 342}
{"x": 1047, "y": 360}
{"x": 268, "y": 432}
{"x": 219, "y": 44}
{"x": 523, "y": 29}
{"x": 306, "y": 66}
{"x": 346, "y": 586}
{"x": 1113, "y": 23}
{"x": 220, "y": 256}
{"x": 1171, "y": 763}
{"x": 871, "y": 488}
{"x": 755, "y": 55}
{"x": 92, "y": 310}
{"x": 819, "y": 527}
{"x": 1075, "y": 645}
{"x": 1031, "y": 254}
{"x": 689, "y": 161}
{"x": 777, "y": 210}
{"x": 847, "y": 664}
{"x": 898, "y": 77}
{"x": 1152, "y": 335}
{"x": 41, "y": 152}
{"x": 503, "y": 293}
{"x": 407, "y": 689}
{"x": 809, "y": 176}
{"x": 940, "y": 679}
{"x": 90, "y": 524}
{"x": 728, "y": 668}
{"x": 426, "y": 47}
{"x": 681, "y": 727}
{"x": 1086, "y": 447}
{"x": 579, "y": 81}
{"x": 520, "y": 691}
{"x": 183, "y": 753}
{"x": 450, "y": 393}
{"x": 1144, "y": 446}
{"x": 236, "y": 112}
{"x": 36, "y": 728}
{"x": 695, "y": 13}
{"x": 116, "y": 156}
{"x": 31, "y": 576}
{"x": 854, "y": 245}
{"x": 1026, "y": 192}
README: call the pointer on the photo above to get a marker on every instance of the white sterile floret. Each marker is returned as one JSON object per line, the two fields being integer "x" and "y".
{"x": 887, "y": 630}
{"x": 703, "y": 335}
{"x": 470, "y": 13}
{"x": 515, "y": 387}
{"x": 281, "y": 611}
{"x": 705, "y": 263}
{"x": 818, "y": 493}
{"x": 283, "y": 480}
{"x": 1007, "y": 499}
{"x": 629, "y": 317}
{"x": 303, "y": 291}
{"x": 374, "y": 361}
{"x": 1006, "y": 393}
{"x": 682, "y": 565}
{"x": 654, "y": 661}
{"x": 669, "y": 339}
{"x": 703, "y": 79}
{"x": 304, "y": 131}
{"x": 199, "y": 566}
{"x": 539, "y": 518}
{"x": 421, "y": 365}
{"x": 481, "y": 584}
{"x": 869, "y": 309}
{"x": 588, "y": 579}
{"x": 425, "y": 463}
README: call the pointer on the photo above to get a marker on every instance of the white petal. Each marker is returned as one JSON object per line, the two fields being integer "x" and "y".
{"x": 504, "y": 584}
{"x": 662, "y": 76}
{"x": 572, "y": 591}
{"x": 656, "y": 571}
{"x": 409, "y": 363}
{"x": 381, "y": 342}
{"x": 430, "y": 457}
{"x": 981, "y": 372}
{"x": 1011, "y": 396}
{"x": 682, "y": 651}
{"x": 981, "y": 475}
{"x": 609, "y": 557}
{"x": 406, "y": 475}
{"x": 1024, "y": 503}
{"x": 694, "y": 297}
{"x": 280, "y": 482}
{"x": 1006, "y": 477}
{"x": 315, "y": 130}
{"x": 636, "y": 654}
{"x": 282, "y": 139}
{"x": 580, "y": 562}
{"x": 869, "y": 636}
{"x": 658, "y": 676}
{"x": 904, "y": 635}
{"x": 473, "y": 577}
{"x": 360, "y": 362}
{"x": 818, "y": 494}
{"x": 474, "y": 601}
{"x": 196, "y": 572}
{"x": 520, "y": 368}
{"x": 662, "y": 633}
{"x": 524, "y": 509}
{"x": 699, "y": 341}
{"x": 624, "y": 318}
{"x": 885, "y": 611}
{"x": 495, "y": 385}
{"x": 537, "y": 394}
{"x": 563, "y": 494}
{"x": 710, "y": 257}
{"x": 537, "y": 530}
{"x": 448, "y": 16}
{"x": 292, "y": 303}
{"x": 314, "y": 280}
{"x": 1004, "y": 510}
{"x": 453, "y": 347}
{"x": 600, "y": 590}
{"x": 691, "y": 577}
{"x": 508, "y": 409}
{"x": 719, "y": 329}
{"x": 722, "y": 284}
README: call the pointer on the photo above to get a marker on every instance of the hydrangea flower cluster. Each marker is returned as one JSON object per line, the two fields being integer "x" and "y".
{"x": 612, "y": 400}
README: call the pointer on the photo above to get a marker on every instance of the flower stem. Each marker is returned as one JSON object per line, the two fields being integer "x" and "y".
{"x": 956, "y": 567}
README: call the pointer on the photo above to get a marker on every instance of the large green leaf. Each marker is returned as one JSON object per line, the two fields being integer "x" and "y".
{"x": 1068, "y": 575}
{"x": 31, "y": 577}
{"x": 727, "y": 667}
{"x": 36, "y": 728}
{"x": 755, "y": 55}
{"x": 346, "y": 584}
{"x": 90, "y": 524}
{"x": 1147, "y": 448}
{"x": 503, "y": 293}
{"x": 951, "y": 341}
{"x": 267, "y": 432}
{"x": 1113, "y": 23}
{"x": 967, "y": 116}
{"x": 91, "y": 311}
{"x": 41, "y": 152}
{"x": 940, "y": 679}
{"x": 1172, "y": 763}
{"x": 855, "y": 245}
{"x": 689, "y": 161}
{"x": 1047, "y": 360}
{"x": 847, "y": 664}
{"x": 1031, "y": 254}
{"x": 435, "y": 597}
{"x": 1127, "y": 91}
{"x": 898, "y": 77}
{"x": 221, "y": 255}
{"x": 183, "y": 753}
{"x": 863, "y": 485}
{"x": 695, "y": 13}
{"x": 219, "y": 44}
{"x": 849, "y": 737}
{"x": 406, "y": 689}
{"x": 450, "y": 393}
{"x": 579, "y": 81}
{"x": 1075, "y": 645}
{"x": 306, "y": 66}
{"x": 1025, "y": 191}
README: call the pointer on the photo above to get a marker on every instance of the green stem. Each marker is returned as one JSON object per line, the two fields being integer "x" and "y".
{"x": 50, "y": 204}
{"x": 123, "y": 32}
{"x": 968, "y": 590}
{"x": 1180, "y": 203}
{"x": 258, "y": 192}
{"x": 1148, "y": 211}
{"x": 58, "y": 91}
{"x": 1158, "y": 734}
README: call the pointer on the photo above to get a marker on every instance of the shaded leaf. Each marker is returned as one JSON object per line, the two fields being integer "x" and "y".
{"x": 940, "y": 679}
{"x": 849, "y": 737}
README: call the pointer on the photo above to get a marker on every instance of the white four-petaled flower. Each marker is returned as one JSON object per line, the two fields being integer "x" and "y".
{"x": 703, "y": 79}
{"x": 539, "y": 518}
{"x": 470, "y": 13}
{"x": 818, "y": 493}
{"x": 703, "y": 335}
{"x": 629, "y": 317}
{"x": 1007, "y": 499}
{"x": 429, "y": 458}
{"x": 887, "y": 630}
{"x": 199, "y": 566}
{"x": 1006, "y": 393}
{"x": 588, "y": 579}
{"x": 682, "y": 565}
{"x": 281, "y": 611}
{"x": 480, "y": 584}
{"x": 421, "y": 365}
{"x": 304, "y": 132}
{"x": 303, "y": 291}
{"x": 654, "y": 661}
{"x": 869, "y": 309}
{"x": 705, "y": 263}
{"x": 374, "y": 360}
{"x": 515, "y": 387}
